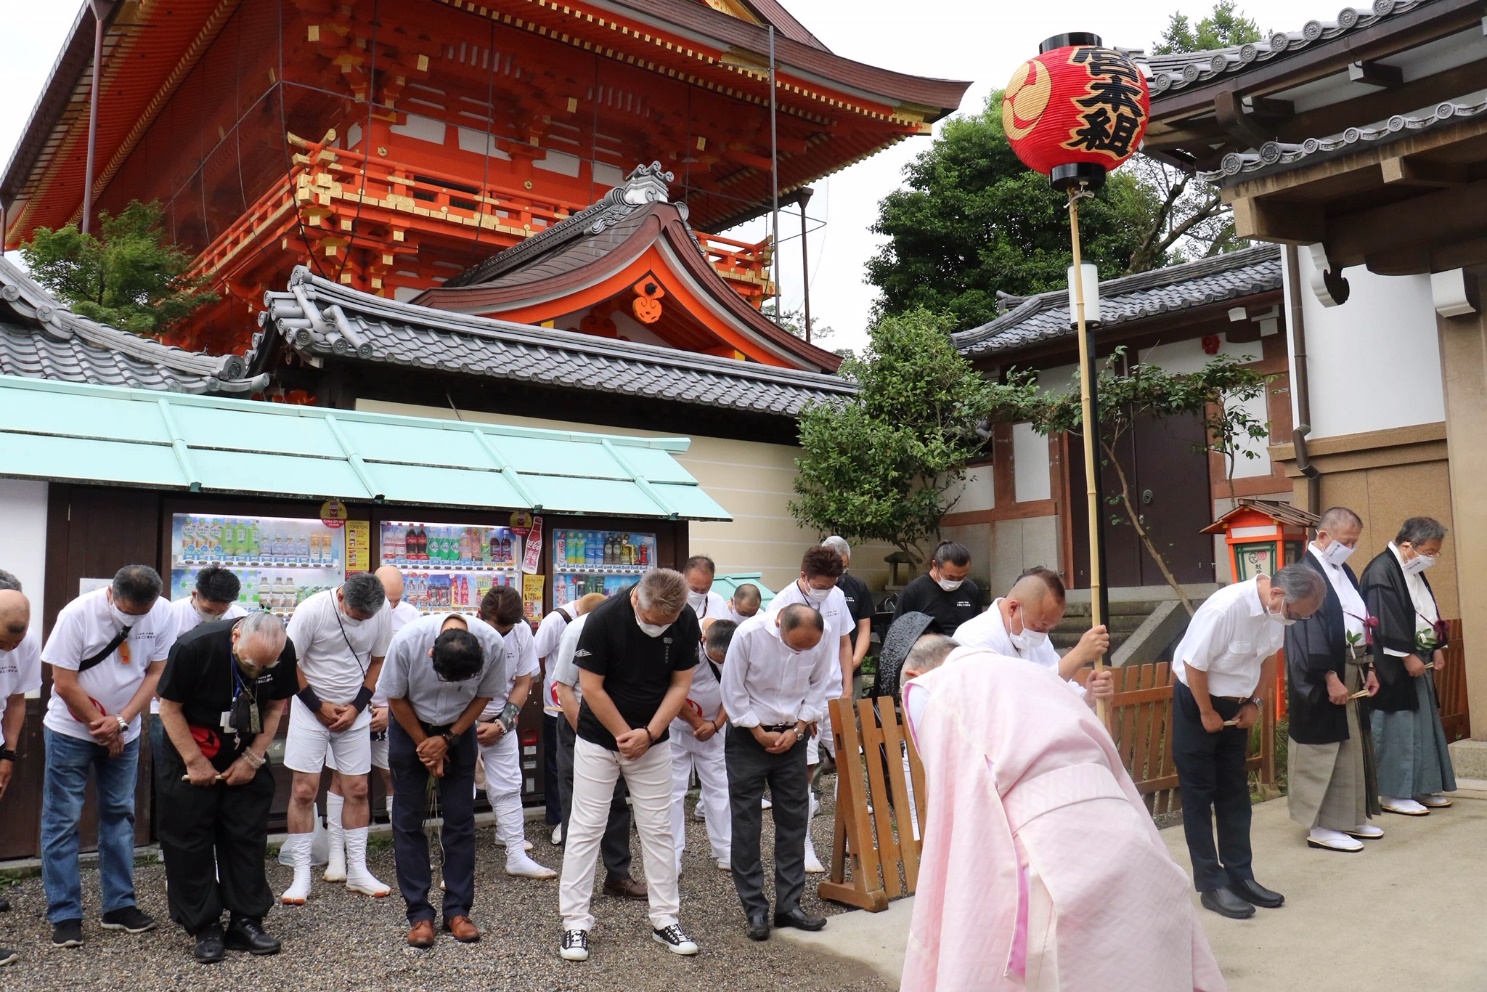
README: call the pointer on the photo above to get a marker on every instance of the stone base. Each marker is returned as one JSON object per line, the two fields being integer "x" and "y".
{"x": 1469, "y": 758}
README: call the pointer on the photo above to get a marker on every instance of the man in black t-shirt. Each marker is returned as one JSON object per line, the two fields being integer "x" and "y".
{"x": 859, "y": 602}
{"x": 635, "y": 658}
{"x": 221, "y": 696}
{"x": 945, "y": 593}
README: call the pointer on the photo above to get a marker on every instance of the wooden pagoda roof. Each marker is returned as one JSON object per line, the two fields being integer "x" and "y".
{"x": 601, "y": 253}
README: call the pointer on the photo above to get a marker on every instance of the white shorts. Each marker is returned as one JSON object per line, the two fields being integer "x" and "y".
{"x": 822, "y": 739}
{"x": 502, "y": 762}
{"x": 309, "y": 742}
{"x": 379, "y": 754}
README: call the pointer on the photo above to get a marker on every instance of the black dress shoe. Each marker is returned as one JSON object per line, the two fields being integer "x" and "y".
{"x": 1226, "y": 903}
{"x": 1252, "y": 891}
{"x": 758, "y": 927}
{"x": 4, "y": 905}
{"x": 246, "y": 934}
{"x": 796, "y": 918}
{"x": 209, "y": 949}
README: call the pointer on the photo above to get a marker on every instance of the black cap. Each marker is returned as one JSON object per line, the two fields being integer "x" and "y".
{"x": 1086, "y": 174}
{"x": 1074, "y": 39}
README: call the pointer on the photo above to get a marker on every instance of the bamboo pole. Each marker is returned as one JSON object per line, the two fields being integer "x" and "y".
{"x": 1097, "y": 602}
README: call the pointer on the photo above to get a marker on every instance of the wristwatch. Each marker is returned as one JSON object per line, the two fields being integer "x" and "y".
{"x": 1259, "y": 703}
{"x": 123, "y": 725}
{"x": 449, "y": 738}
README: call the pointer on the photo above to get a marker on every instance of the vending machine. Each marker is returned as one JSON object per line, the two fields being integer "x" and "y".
{"x": 585, "y": 561}
{"x": 450, "y": 567}
{"x": 280, "y": 561}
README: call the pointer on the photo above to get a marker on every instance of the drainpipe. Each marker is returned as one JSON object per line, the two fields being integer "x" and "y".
{"x": 100, "y": 11}
{"x": 801, "y": 199}
{"x": 1301, "y": 383}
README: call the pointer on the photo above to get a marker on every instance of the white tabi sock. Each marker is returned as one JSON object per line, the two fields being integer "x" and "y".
{"x": 335, "y": 867}
{"x": 358, "y": 878}
{"x": 297, "y": 846}
{"x": 510, "y": 823}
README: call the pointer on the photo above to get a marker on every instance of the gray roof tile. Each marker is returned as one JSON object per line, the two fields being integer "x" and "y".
{"x": 1035, "y": 320}
{"x": 42, "y": 339}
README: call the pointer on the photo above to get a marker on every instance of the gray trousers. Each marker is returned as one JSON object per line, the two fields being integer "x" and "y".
{"x": 750, "y": 768}
{"x": 614, "y": 847}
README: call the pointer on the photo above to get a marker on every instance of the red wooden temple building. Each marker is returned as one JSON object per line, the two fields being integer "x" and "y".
{"x": 394, "y": 147}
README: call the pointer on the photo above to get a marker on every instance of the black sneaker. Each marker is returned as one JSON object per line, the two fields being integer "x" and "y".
{"x": 68, "y": 933}
{"x": 575, "y": 945}
{"x": 674, "y": 940}
{"x": 209, "y": 947}
{"x": 246, "y": 934}
{"x": 7, "y": 956}
{"x": 129, "y": 918}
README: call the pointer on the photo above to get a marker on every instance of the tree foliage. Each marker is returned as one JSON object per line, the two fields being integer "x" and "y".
{"x": 973, "y": 220}
{"x": 128, "y": 276}
{"x": 1216, "y": 392}
{"x": 792, "y": 321}
{"x": 1225, "y": 27}
{"x": 880, "y": 465}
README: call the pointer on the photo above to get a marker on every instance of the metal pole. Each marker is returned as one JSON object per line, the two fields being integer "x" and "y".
{"x": 100, "y": 8}
{"x": 1099, "y": 602}
{"x": 774, "y": 175}
{"x": 805, "y": 259}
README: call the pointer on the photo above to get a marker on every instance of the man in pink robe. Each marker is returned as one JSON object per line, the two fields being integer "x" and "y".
{"x": 1041, "y": 867}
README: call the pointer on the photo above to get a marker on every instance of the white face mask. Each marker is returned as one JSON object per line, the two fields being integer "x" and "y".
{"x": 817, "y": 596}
{"x": 1028, "y": 639}
{"x": 1281, "y": 617}
{"x": 950, "y": 586}
{"x": 1418, "y": 564}
{"x": 651, "y": 629}
{"x": 1336, "y": 553}
{"x": 347, "y": 618}
{"x": 696, "y": 600}
{"x": 123, "y": 619}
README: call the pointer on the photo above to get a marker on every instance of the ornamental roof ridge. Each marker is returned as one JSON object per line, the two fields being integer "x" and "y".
{"x": 1279, "y": 153}
{"x": 1043, "y": 317}
{"x": 68, "y": 346}
{"x": 1170, "y": 73}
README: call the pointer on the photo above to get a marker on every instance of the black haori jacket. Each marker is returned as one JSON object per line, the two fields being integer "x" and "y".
{"x": 1388, "y": 598}
{"x": 1315, "y": 647}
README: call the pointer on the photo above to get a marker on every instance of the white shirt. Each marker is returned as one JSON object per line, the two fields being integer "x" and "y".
{"x": 766, "y": 682}
{"x": 408, "y": 672}
{"x": 83, "y": 628}
{"x": 704, "y": 698}
{"x": 834, "y": 611}
{"x": 20, "y": 671}
{"x": 713, "y": 605}
{"x": 1421, "y": 601}
{"x": 403, "y": 614}
{"x": 521, "y": 659}
{"x": 187, "y": 620}
{"x": 564, "y": 668}
{"x": 1353, "y": 610}
{"x": 549, "y": 635}
{"x": 989, "y": 631}
{"x": 1229, "y": 638}
{"x": 334, "y": 650}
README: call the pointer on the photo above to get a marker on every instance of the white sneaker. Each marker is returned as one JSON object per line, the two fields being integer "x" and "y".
{"x": 724, "y": 864}
{"x": 522, "y": 866}
{"x": 1332, "y": 840}
{"x": 1434, "y": 800}
{"x": 557, "y": 835}
{"x": 674, "y": 940}
{"x": 1405, "y": 807}
{"x": 1365, "y": 831}
{"x": 764, "y": 803}
{"x": 574, "y": 946}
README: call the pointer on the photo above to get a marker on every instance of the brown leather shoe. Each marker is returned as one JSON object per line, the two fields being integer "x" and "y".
{"x": 464, "y": 931}
{"x": 422, "y": 934}
{"x": 625, "y": 888}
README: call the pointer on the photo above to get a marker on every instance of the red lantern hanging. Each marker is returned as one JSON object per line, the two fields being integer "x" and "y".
{"x": 1076, "y": 111}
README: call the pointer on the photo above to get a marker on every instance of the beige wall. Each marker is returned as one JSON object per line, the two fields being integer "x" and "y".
{"x": 751, "y": 480}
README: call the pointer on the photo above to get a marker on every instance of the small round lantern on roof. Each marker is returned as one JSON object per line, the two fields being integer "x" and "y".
{"x": 1076, "y": 111}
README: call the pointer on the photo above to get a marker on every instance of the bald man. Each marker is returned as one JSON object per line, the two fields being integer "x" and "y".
{"x": 1017, "y": 626}
{"x": 335, "y": 799}
{"x": 20, "y": 673}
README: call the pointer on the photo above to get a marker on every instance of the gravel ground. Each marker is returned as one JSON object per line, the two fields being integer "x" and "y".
{"x": 345, "y": 942}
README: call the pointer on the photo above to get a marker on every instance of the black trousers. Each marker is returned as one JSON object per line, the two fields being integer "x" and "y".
{"x": 214, "y": 840}
{"x": 1215, "y": 786}
{"x": 551, "y": 801}
{"x": 750, "y": 767}
{"x": 614, "y": 846}
{"x": 410, "y": 844}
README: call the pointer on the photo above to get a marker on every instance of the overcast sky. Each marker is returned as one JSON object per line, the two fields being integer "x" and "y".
{"x": 973, "y": 40}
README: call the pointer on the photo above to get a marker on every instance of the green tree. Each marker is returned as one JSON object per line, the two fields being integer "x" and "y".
{"x": 973, "y": 220}
{"x": 881, "y": 465}
{"x": 1226, "y": 27}
{"x": 128, "y": 276}
{"x": 1216, "y": 392}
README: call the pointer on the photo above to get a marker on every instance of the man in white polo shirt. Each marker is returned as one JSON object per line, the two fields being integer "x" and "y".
{"x": 107, "y": 650}
{"x": 20, "y": 673}
{"x": 500, "y": 745}
{"x": 340, "y": 638}
{"x": 699, "y": 571}
{"x": 1221, "y": 668}
{"x": 1018, "y": 624}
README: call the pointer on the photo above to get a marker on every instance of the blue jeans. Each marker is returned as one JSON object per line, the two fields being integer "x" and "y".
{"x": 68, "y": 761}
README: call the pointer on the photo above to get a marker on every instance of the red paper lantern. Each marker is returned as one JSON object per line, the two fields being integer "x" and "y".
{"x": 1076, "y": 111}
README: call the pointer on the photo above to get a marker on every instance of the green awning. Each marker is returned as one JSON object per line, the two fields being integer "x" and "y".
{"x": 110, "y": 435}
{"x": 727, "y": 585}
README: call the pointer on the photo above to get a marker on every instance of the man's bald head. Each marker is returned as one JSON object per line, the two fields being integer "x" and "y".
{"x": 15, "y": 618}
{"x": 392, "y": 583}
{"x": 1038, "y": 595}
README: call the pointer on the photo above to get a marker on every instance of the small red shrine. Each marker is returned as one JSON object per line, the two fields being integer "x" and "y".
{"x": 393, "y": 146}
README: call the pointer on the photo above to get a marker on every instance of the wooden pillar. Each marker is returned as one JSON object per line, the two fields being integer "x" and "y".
{"x": 1463, "y": 343}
